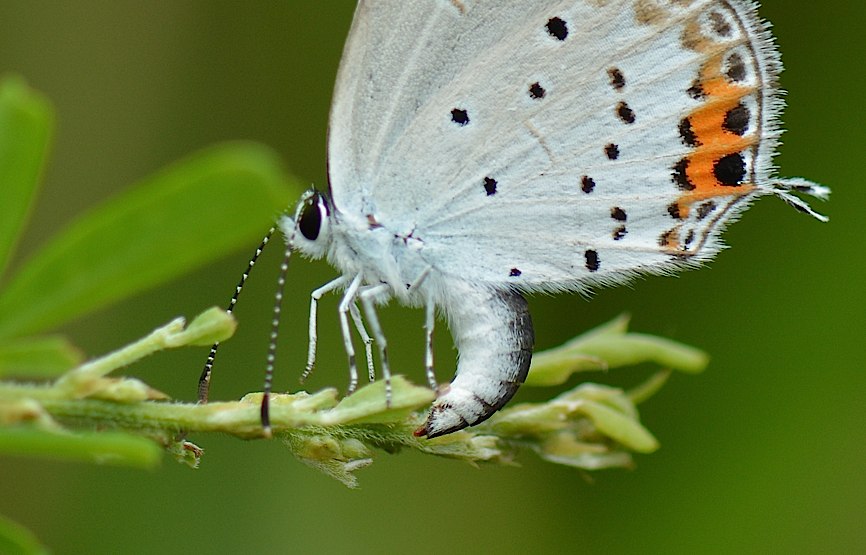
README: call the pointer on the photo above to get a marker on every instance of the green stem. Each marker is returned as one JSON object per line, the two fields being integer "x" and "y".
{"x": 591, "y": 426}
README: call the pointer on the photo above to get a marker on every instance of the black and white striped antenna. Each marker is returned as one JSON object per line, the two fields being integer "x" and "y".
{"x": 272, "y": 343}
{"x": 204, "y": 379}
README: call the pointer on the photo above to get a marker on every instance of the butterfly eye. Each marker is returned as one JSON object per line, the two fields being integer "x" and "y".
{"x": 310, "y": 219}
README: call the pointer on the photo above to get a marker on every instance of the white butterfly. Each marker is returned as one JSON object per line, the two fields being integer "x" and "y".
{"x": 480, "y": 150}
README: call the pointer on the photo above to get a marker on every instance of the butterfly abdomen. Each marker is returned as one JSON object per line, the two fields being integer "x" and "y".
{"x": 493, "y": 333}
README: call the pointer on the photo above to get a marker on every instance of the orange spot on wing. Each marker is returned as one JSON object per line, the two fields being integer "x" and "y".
{"x": 670, "y": 239}
{"x": 714, "y": 140}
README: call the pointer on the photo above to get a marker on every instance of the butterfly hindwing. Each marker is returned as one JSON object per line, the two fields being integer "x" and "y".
{"x": 618, "y": 138}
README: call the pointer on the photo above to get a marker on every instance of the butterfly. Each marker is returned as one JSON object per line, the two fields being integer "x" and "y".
{"x": 480, "y": 151}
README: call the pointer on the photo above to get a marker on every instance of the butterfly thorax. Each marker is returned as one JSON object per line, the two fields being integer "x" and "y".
{"x": 381, "y": 251}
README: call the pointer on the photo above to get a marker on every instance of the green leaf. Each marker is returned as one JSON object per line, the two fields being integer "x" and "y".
{"x": 620, "y": 427}
{"x": 17, "y": 540}
{"x": 115, "y": 448}
{"x": 38, "y": 357}
{"x": 209, "y": 327}
{"x": 649, "y": 387}
{"x": 368, "y": 403}
{"x": 195, "y": 211}
{"x": 26, "y": 122}
{"x": 87, "y": 380}
{"x": 611, "y": 346}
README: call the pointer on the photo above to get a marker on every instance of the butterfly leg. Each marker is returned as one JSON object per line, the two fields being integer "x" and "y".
{"x": 428, "y": 359}
{"x": 347, "y": 301}
{"x": 428, "y": 326}
{"x": 365, "y": 337}
{"x": 314, "y": 303}
{"x": 368, "y": 297}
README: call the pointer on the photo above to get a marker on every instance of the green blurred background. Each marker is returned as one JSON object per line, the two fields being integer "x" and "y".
{"x": 763, "y": 452}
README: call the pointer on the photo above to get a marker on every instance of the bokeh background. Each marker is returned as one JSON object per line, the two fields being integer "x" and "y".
{"x": 764, "y": 452}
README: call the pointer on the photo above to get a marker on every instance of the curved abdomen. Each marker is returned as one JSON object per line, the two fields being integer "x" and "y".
{"x": 493, "y": 333}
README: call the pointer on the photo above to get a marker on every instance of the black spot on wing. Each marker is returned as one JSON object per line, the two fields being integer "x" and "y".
{"x": 490, "y": 186}
{"x": 690, "y": 238}
{"x": 536, "y": 91}
{"x": 592, "y": 260}
{"x": 460, "y": 116}
{"x": 735, "y": 69}
{"x": 720, "y": 25}
{"x": 705, "y": 209}
{"x": 624, "y": 113}
{"x": 617, "y": 79}
{"x": 668, "y": 238}
{"x": 730, "y": 170}
{"x": 696, "y": 91}
{"x": 737, "y": 120}
{"x": 687, "y": 134}
{"x": 557, "y": 28}
{"x": 680, "y": 175}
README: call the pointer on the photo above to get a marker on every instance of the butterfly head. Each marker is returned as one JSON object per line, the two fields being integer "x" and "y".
{"x": 309, "y": 231}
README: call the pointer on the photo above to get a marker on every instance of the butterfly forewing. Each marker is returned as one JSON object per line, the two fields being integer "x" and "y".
{"x": 554, "y": 145}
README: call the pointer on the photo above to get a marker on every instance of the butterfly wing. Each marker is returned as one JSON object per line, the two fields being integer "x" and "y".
{"x": 555, "y": 145}
{"x": 398, "y": 61}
